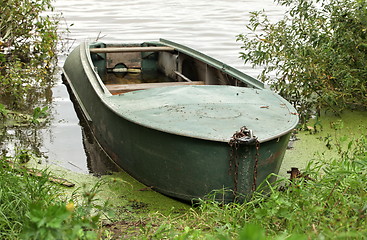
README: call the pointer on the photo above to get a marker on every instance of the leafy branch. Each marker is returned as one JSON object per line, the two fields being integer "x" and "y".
{"x": 315, "y": 56}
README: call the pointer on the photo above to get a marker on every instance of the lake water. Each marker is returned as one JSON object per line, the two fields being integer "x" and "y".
{"x": 208, "y": 26}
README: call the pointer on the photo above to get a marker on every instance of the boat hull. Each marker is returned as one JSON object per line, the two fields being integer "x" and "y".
{"x": 183, "y": 167}
{"x": 179, "y": 166}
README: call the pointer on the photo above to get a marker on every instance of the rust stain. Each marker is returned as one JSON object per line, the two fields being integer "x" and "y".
{"x": 272, "y": 158}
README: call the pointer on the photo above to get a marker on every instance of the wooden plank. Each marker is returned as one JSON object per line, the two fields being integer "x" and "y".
{"x": 38, "y": 173}
{"x": 123, "y": 88}
{"x": 183, "y": 77}
{"x": 130, "y": 49}
{"x": 129, "y": 59}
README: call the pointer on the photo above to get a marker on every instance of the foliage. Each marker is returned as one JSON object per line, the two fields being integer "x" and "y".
{"x": 39, "y": 113}
{"x": 16, "y": 193}
{"x": 32, "y": 208}
{"x": 328, "y": 202}
{"x": 27, "y": 48}
{"x": 65, "y": 221}
{"x": 11, "y": 118}
{"x": 3, "y": 111}
{"x": 315, "y": 56}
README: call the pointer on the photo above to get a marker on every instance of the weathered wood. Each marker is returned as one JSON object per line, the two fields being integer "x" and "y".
{"x": 123, "y": 88}
{"x": 183, "y": 77}
{"x": 37, "y": 173}
{"x": 130, "y": 49}
{"x": 129, "y": 59}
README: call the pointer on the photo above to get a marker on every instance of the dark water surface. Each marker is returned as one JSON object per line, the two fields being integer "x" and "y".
{"x": 208, "y": 26}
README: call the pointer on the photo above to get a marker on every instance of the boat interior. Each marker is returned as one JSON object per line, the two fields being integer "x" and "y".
{"x": 125, "y": 68}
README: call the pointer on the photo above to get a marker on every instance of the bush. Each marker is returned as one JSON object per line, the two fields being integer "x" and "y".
{"x": 315, "y": 56}
{"x": 27, "y": 48}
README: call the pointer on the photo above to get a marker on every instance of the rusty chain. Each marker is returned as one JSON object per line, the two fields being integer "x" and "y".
{"x": 233, "y": 161}
{"x": 257, "y": 144}
{"x": 242, "y": 137}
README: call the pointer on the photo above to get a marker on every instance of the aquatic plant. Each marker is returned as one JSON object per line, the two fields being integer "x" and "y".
{"x": 315, "y": 56}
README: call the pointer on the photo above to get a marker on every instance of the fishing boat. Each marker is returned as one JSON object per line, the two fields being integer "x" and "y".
{"x": 178, "y": 120}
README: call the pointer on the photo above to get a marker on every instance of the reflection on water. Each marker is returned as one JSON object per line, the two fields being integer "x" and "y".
{"x": 98, "y": 161}
{"x": 208, "y": 26}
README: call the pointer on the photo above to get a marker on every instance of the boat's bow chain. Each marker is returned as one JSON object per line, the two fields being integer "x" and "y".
{"x": 243, "y": 137}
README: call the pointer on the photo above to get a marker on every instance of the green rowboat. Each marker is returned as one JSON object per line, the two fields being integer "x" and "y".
{"x": 179, "y": 121}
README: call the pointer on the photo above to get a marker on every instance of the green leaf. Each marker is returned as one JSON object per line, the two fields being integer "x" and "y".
{"x": 252, "y": 232}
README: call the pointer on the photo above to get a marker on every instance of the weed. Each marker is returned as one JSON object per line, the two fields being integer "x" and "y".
{"x": 39, "y": 113}
{"x": 33, "y": 208}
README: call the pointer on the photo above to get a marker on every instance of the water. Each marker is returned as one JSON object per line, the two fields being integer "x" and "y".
{"x": 208, "y": 26}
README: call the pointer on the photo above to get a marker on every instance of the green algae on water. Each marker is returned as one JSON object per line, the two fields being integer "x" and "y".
{"x": 323, "y": 134}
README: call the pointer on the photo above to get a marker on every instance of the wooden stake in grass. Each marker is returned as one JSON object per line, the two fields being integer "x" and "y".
{"x": 36, "y": 173}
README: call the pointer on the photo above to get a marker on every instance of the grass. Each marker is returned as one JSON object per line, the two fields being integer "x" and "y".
{"x": 16, "y": 193}
{"x": 33, "y": 208}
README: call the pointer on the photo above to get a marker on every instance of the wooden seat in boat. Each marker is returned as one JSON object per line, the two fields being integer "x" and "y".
{"x": 124, "y": 88}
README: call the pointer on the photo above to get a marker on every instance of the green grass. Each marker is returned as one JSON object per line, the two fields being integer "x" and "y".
{"x": 34, "y": 208}
{"x": 16, "y": 193}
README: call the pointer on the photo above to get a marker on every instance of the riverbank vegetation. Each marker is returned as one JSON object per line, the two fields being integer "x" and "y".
{"x": 315, "y": 56}
{"x": 31, "y": 207}
{"x": 28, "y": 41}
